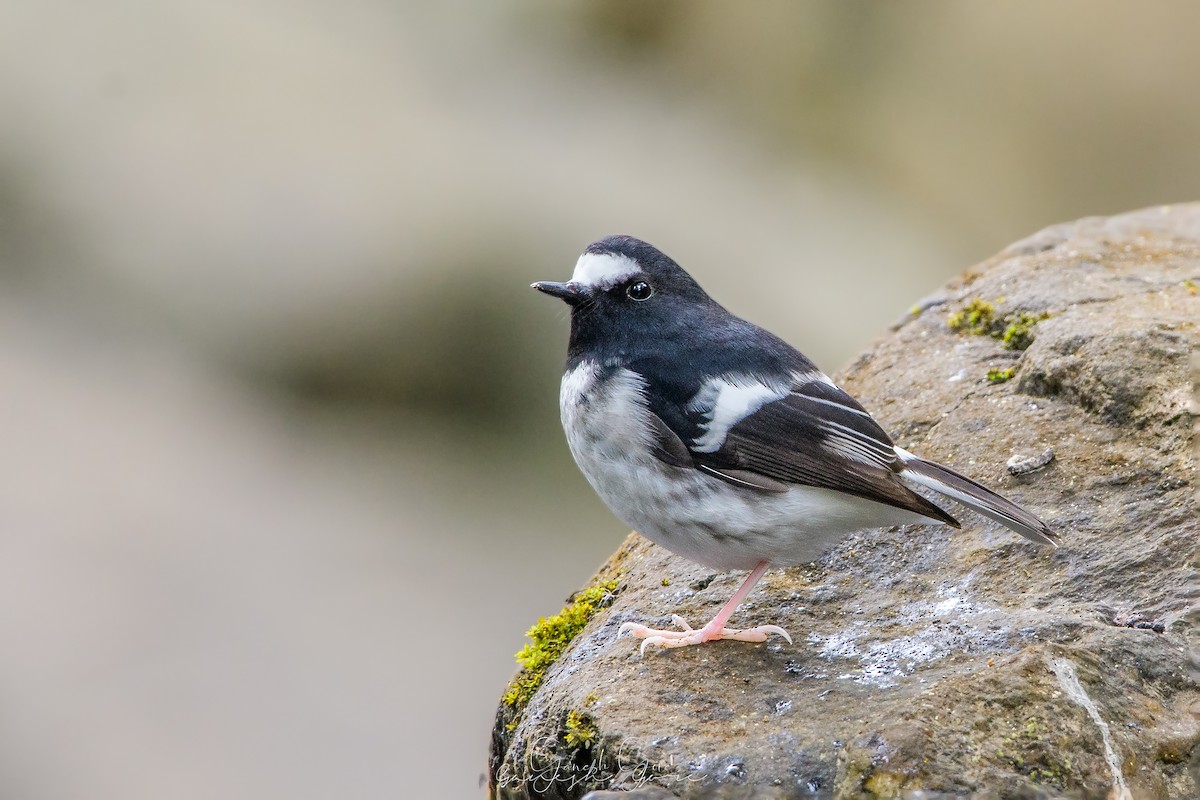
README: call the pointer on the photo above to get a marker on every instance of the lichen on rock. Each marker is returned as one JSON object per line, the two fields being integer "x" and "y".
{"x": 980, "y": 318}
{"x": 550, "y": 636}
{"x": 932, "y": 662}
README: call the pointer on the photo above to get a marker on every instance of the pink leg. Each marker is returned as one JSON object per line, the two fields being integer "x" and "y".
{"x": 715, "y": 629}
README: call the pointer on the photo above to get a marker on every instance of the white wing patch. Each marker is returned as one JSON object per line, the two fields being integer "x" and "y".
{"x": 726, "y": 401}
{"x": 603, "y": 270}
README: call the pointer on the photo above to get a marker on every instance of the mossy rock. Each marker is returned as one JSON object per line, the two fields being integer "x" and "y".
{"x": 931, "y": 662}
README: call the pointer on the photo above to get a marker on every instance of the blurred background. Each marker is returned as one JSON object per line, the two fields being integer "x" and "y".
{"x": 281, "y": 478}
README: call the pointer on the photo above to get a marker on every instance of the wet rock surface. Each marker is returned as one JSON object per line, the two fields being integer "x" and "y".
{"x": 929, "y": 661}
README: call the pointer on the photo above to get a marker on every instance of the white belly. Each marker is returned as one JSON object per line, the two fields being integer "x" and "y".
{"x": 686, "y": 511}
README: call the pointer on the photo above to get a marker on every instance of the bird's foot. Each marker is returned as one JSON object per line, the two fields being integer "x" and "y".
{"x": 652, "y": 637}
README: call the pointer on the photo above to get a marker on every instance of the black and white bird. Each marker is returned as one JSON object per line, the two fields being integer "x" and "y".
{"x": 720, "y": 442}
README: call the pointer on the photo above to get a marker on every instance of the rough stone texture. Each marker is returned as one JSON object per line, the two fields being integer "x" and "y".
{"x": 928, "y": 661}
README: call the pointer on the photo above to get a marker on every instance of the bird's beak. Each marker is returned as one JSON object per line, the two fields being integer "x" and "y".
{"x": 571, "y": 293}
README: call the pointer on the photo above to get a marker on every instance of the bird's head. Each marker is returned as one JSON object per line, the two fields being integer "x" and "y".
{"x": 625, "y": 292}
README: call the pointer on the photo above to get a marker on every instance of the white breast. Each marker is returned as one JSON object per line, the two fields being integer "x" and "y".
{"x": 606, "y": 423}
{"x": 686, "y": 511}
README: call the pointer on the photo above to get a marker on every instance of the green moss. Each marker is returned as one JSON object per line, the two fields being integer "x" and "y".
{"x": 581, "y": 730}
{"x": 1018, "y": 330}
{"x": 550, "y": 636}
{"x": 666, "y": 581}
{"x": 1000, "y": 375}
{"x": 1039, "y": 761}
{"x": 884, "y": 784}
{"x": 1191, "y": 285}
{"x": 1046, "y": 776}
{"x": 976, "y": 317}
{"x": 979, "y": 318}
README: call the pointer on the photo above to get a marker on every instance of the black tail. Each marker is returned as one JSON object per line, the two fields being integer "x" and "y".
{"x": 978, "y": 498}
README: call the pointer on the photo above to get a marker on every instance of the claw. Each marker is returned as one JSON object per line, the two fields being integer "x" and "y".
{"x": 715, "y": 629}
{"x": 775, "y": 629}
{"x": 652, "y": 637}
{"x": 632, "y": 627}
{"x": 655, "y": 641}
{"x": 759, "y": 634}
{"x": 641, "y": 631}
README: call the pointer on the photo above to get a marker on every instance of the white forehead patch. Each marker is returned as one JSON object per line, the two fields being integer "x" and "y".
{"x": 603, "y": 270}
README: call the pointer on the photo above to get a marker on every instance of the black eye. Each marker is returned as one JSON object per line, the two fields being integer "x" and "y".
{"x": 639, "y": 291}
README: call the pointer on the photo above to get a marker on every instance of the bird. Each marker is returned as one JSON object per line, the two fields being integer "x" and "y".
{"x": 717, "y": 440}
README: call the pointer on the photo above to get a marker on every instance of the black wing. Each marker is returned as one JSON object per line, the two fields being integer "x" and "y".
{"x": 814, "y": 435}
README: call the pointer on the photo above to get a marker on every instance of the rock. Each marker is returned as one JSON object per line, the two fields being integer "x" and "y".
{"x": 1024, "y": 465}
{"x": 928, "y": 661}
